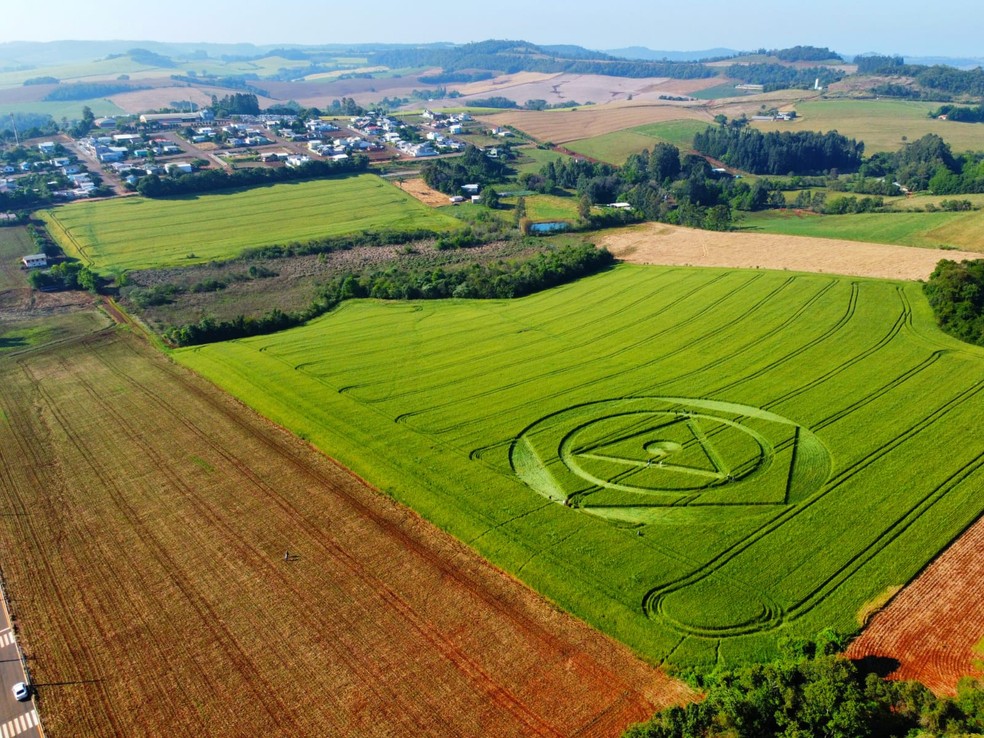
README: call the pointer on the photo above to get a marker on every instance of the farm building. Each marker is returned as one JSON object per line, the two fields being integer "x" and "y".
{"x": 171, "y": 119}
{"x": 35, "y": 261}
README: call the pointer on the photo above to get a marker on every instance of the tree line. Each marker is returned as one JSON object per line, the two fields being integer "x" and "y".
{"x": 212, "y": 180}
{"x": 811, "y": 691}
{"x": 802, "y": 152}
{"x": 238, "y": 103}
{"x": 939, "y": 77}
{"x": 782, "y": 77}
{"x": 473, "y": 167}
{"x": 503, "y": 279}
{"x": 960, "y": 114}
{"x": 90, "y": 90}
{"x": 956, "y": 293}
{"x": 929, "y": 164}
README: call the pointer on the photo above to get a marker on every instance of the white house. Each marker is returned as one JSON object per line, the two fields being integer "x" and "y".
{"x": 35, "y": 261}
{"x": 182, "y": 167}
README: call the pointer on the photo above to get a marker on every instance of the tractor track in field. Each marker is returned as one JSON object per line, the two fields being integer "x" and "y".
{"x": 95, "y": 415}
{"x": 502, "y": 698}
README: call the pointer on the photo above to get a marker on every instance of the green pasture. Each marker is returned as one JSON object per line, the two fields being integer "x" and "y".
{"x": 533, "y": 160}
{"x": 926, "y": 230}
{"x": 101, "y": 70}
{"x": 15, "y": 242}
{"x": 724, "y": 90}
{"x": 881, "y": 124}
{"x": 616, "y": 147}
{"x": 140, "y": 233}
{"x": 27, "y": 333}
{"x": 695, "y": 461}
{"x": 110, "y": 69}
{"x": 550, "y": 207}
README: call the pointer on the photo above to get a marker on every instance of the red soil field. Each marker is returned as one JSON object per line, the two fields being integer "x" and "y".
{"x": 931, "y": 627}
{"x": 145, "y": 522}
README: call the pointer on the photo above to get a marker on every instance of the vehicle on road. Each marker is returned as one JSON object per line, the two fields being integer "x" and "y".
{"x": 22, "y": 692}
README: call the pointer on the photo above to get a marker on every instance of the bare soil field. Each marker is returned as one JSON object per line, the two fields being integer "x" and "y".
{"x": 498, "y": 85}
{"x": 657, "y": 243}
{"x": 25, "y": 94}
{"x": 151, "y": 515}
{"x": 320, "y": 93}
{"x": 929, "y": 630}
{"x": 582, "y": 88}
{"x": 563, "y": 126}
{"x": 427, "y": 195}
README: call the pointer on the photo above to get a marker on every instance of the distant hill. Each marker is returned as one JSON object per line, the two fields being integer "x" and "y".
{"x": 641, "y": 52}
{"x": 459, "y": 63}
{"x": 53, "y": 53}
{"x": 949, "y": 61}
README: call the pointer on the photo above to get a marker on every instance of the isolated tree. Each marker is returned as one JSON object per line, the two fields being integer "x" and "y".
{"x": 490, "y": 198}
{"x": 584, "y": 207}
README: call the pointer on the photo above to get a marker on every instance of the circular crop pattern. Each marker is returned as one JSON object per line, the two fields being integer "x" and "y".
{"x": 627, "y": 460}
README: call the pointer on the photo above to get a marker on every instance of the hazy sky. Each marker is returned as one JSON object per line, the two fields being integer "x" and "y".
{"x": 946, "y": 28}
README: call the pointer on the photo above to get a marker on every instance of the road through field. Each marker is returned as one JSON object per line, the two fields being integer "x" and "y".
{"x": 153, "y": 515}
{"x": 16, "y": 718}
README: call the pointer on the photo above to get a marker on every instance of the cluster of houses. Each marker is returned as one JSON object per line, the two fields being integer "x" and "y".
{"x": 79, "y": 183}
{"x": 455, "y": 123}
{"x": 122, "y": 146}
{"x": 340, "y": 148}
{"x": 382, "y": 130}
{"x": 133, "y": 172}
{"x": 232, "y": 135}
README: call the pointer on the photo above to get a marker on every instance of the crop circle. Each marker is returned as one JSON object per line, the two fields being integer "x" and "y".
{"x": 622, "y": 457}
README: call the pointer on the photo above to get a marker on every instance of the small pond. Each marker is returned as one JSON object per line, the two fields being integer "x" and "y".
{"x": 549, "y": 227}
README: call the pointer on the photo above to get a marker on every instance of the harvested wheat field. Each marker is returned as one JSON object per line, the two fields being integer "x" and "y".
{"x": 427, "y": 195}
{"x": 505, "y": 82}
{"x": 657, "y": 243}
{"x": 581, "y": 88}
{"x": 929, "y": 630}
{"x": 152, "y": 514}
{"x": 563, "y": 126}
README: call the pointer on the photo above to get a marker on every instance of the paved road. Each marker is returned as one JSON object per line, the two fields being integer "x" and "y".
{"x": 16, "y": 718}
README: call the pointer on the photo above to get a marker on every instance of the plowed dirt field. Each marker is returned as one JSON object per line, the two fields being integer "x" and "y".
{"x": 563, "y": 126}
{"x": 145, "y": 521}
{"x": 931, "y": 627}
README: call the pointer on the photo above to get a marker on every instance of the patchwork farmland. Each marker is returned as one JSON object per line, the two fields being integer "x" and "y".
{"x": 139, "y": 233}
{"x": 151, "y": 513}
{"x": 695, "y": 461}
